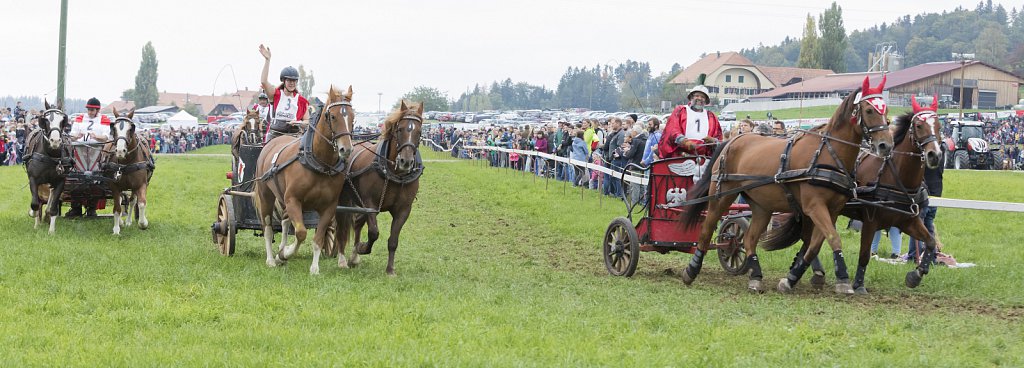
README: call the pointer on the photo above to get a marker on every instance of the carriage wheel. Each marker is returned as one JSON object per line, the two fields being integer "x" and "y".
{"x": 224, "y": 228}
{"x": 621, "y": 248}
{"x": 731, "y": 253}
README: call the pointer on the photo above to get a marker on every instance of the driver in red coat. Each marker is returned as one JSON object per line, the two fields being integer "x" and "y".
{"x": 691, "y": 129}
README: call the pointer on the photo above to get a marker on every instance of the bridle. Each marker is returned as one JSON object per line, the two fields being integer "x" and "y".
{"x": 334, "y": 135}
{"x": 408, "y": 143}
{"x": 124, "y": 138}
{"x": 923, "y": 117}
{"x": 50, "y": 123}
{"x": 859, "y": 117}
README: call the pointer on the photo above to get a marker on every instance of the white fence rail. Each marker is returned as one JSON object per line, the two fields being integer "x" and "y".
{"x": 934, "y": 201}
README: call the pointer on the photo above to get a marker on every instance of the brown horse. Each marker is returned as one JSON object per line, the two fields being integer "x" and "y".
{"x": 810, "y": 177}
{"x": 314, "y": 184}
{"x": 391, "y": 187}
{"x": 130, "y": 169}
{"x": 46, "y": 163}
{"x": 897, "y": 181}
{"x": 250, "y": 132}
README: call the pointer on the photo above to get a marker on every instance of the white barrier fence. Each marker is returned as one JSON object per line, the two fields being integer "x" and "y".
{"x": 933, "y": 201}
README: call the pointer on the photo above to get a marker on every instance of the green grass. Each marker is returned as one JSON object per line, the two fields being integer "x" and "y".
{"x": 494, "y": 269}
{"x": 212, "y": 150}
{"x": 826, "y": 112}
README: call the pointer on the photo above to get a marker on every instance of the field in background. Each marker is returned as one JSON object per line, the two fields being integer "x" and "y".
{"x": 495, "y": 268}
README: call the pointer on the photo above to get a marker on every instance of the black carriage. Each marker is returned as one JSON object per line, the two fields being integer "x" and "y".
{"x": 659, "y": 230}
{"x": 88, "y": 176}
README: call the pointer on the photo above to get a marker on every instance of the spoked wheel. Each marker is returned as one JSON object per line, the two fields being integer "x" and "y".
{"x": 621, "y": 248}
{"x": 223, "y": 229}
{"x": 731, "y": 253}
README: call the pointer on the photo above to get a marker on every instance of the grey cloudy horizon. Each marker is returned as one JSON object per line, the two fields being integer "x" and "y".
{"x": 390, "y": 46}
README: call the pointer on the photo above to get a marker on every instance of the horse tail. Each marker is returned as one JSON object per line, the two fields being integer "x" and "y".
{"x": 691, "y": 215}
{"x": 784, "y": 235}
{"x": 343, "y": 221}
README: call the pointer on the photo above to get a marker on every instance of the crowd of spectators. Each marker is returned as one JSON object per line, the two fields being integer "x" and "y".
{"x": 620, "y": 144}
{"x": 16, "y": 123}
{"x": 1007, "y": 134}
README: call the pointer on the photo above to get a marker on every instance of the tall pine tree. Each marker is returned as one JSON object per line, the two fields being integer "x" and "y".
{"x": 145, "y": 93}
{"x": 809, "y": 46}
{"x": 833, "y": 39}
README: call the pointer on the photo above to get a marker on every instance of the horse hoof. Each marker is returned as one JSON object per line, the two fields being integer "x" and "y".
{"x": 755, "y": 286}
{"x": 844, "y": 288}
{"x": 860, "y": 291}
{"x": 686, "y": 278}
{"x": 342, "y": 263}
{"x": 913, "y": 279}
{"x": 784, "y": 286}
{"x": 363, "y": 248}
{"x": 314, "y": 270}
{"x": 355, "y": 261}
{"x": 818, "y": 281}
{"x": 272, "y": 262}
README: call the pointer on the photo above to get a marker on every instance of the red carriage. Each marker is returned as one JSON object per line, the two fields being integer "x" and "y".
{"x": 659, "y": 230}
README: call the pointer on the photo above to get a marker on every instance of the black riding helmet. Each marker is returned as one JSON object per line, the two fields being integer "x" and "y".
{"x": 93, "y": 103}
{"x": 289, "y": 73}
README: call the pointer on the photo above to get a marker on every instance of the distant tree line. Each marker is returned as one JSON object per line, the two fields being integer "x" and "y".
{"x": 627, "y": 86}
{"x": 993, "y": 34}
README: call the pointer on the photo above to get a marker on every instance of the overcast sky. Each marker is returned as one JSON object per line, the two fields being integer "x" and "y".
{"x": 389, "y": 46}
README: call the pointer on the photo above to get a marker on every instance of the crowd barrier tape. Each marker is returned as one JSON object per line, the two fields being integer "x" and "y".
{"x": 933, "y": 201}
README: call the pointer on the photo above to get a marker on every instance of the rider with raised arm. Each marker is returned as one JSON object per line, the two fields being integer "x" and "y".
{"x": 289, "y": 107}
{"x": 691, "y": 129}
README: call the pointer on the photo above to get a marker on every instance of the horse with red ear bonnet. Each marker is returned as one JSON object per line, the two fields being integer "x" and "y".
{"x": 894, "y": 180}
{"x": 809, "y": 173}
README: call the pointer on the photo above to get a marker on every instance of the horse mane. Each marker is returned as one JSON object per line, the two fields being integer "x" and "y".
{"x": 902, "y": 124}
{"x": 394, "y": 117}
{"x": 844, "y": 110}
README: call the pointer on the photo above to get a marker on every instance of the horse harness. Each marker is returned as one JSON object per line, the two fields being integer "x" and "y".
{"x": 116, "y": 170}
{"x": 61, "y": 164}
{"x": 898, "y": 198}
{"x": 837, "y": 178}
{"x": 305, "y": 155}
{"x": 382, "y": 165}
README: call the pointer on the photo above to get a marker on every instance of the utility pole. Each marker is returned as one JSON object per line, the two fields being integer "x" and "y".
{"x": 963, "y": 61}
{"x": 62, "y": 52}
{"x": 379, "y": 96}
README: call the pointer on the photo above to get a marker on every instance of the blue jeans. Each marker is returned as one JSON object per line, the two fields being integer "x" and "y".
{"x": 895, "y": 237}
{"x": 917, "y": 247}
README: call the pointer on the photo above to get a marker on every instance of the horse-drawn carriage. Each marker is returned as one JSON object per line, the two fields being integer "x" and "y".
{"x": 88, "y": 173}
{"x": 344, "y": 174}
{"x": 669, "y": 181}
{"x": 236, "y": 208}
{"x": 814, "y": 175}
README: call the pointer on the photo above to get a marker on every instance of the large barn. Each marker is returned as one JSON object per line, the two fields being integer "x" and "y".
{"x": 984, "y": 86}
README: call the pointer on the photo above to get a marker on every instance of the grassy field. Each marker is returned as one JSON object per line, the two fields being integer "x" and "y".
{"x": 495, "y": 268}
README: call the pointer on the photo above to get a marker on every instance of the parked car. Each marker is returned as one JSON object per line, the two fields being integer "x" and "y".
{"x": 728, "y": 115}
